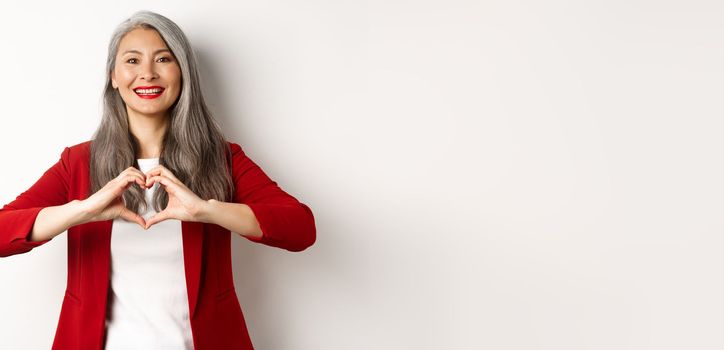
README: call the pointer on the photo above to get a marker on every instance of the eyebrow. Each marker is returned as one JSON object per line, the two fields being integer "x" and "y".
{"x": 139, "y": 52}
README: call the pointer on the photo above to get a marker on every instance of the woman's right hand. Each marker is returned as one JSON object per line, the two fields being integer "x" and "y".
{"x": 107, "y": 203}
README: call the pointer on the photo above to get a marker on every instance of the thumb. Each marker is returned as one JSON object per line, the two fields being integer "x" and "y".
{"x": 132, "y": 217}
{"x": 161, "y": 216}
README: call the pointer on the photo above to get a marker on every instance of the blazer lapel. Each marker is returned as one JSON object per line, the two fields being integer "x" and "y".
{"x": 95, "y": 243}
{"x": 193, "y": 238}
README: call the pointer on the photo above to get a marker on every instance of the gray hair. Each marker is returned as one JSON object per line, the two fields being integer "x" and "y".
{"x": 193, "y": 147}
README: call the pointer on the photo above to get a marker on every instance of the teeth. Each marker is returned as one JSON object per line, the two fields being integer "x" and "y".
{"x": 148, "y": 91}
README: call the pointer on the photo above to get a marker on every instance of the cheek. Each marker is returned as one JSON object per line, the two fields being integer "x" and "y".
{"x": 124, "y": 76}
{"x": 175, "y": 81}
{"x": 173, "y": 75}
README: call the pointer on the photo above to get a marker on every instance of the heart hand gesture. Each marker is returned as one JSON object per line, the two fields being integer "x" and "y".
{"x": 183, "y": 204}
{"x": 107, "y": 203}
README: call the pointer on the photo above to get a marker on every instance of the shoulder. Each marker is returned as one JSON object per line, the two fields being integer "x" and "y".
{"x": 81, "y": 147}
{"x": 240, "y": 162}
{"x": 236, "y": 152}
{"x": 79, "y": 152}
{"x": 234, "y": 147}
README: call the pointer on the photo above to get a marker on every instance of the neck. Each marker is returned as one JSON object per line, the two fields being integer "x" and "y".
{"x": 148, "y": 131}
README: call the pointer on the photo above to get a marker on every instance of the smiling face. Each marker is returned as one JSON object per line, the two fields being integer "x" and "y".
{"x": 144, "y": 61}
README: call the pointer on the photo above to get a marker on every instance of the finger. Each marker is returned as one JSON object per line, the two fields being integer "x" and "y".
{"x": 170, "y": 186}
{"x": 123, "y": 182}
{"x": 132, "y": 170}
{"x": 112, "y": 192}
{"x": 163, "y": 215}
{"x": 126, "y": 175}
{"x": 136, "y": 172}
{"x": 116, "y": 187}
{"x": 163, "y": 171}
{"x": 128, "y": 215}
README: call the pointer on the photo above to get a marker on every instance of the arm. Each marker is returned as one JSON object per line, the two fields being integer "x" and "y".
{"x": 18, "y": 218}
{"x": 227, "y": 215}
{"x": 262, "y": 212}
{"x": 52, "y": 221}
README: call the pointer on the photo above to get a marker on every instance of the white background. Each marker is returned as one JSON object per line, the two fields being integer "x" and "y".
{"x": 483, "y": 174}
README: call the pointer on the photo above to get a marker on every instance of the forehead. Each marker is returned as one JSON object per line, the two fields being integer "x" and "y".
{"x": 142, "y": 40}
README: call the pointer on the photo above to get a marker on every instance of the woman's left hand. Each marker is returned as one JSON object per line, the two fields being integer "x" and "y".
{"x": 183, "y": 204}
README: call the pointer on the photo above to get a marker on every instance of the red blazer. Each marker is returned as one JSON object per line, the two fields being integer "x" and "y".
{"x": 216, "y": 318}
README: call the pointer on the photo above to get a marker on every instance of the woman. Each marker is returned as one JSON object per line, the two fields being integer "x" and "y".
{"x": 170, "y": 188}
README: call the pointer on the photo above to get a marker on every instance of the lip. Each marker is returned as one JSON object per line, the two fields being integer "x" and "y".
{"x": 149, "y": 87}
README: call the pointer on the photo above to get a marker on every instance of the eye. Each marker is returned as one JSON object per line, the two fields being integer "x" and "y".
{"x": 127, "y": 61}
{"x": 168, "y": 59}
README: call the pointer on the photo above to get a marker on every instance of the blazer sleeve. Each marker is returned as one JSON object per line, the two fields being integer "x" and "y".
{"x": 285, "y": 222}
{"x": 18, "y": 217}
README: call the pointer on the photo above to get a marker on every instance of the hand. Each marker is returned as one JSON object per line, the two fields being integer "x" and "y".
{"x": 107, "y": 203}
{"x": 183, "y": 204}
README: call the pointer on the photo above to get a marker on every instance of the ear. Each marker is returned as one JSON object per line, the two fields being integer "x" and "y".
{"x": 113, "y": 80}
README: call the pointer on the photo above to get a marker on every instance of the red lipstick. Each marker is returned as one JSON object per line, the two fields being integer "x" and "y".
{"x": 148, "y": 92}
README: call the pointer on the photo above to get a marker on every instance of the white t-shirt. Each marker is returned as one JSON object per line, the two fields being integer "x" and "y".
{"x": 148, "y": 302}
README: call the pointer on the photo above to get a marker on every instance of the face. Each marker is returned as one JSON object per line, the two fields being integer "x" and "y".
{"x": 144, "y": 61}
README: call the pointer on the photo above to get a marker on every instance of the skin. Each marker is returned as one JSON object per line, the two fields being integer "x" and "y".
{"x": 147, "y": 118}
{"x": 152, "y": 64}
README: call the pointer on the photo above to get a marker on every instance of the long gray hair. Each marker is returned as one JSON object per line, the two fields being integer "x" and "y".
{"x": 193, "y": 147}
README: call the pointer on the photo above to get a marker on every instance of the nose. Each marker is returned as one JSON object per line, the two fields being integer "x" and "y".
{"x": 148, "y": 71}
